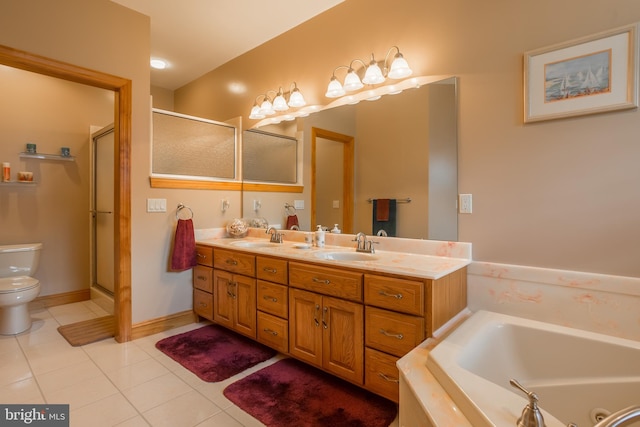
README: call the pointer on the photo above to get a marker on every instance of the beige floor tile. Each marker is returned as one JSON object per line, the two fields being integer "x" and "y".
{"x": 220, "y": 420}
{"x": 54, "y": 355}
{"x": 82, "y": 393}
{"x": 134, "y": 422}
{"x": 8, "y": 344}
{"x": 69, "y": 376}
{"x": 14, "y": 367}
{"x": 138, "y": 373}
{"x": 186, "y": 410}
{"x": 111, "y": 356}
{"x": 243, "y": 418}
{"x": 25, "y": 391}
{"x": 156, "y": 392}
{"x": 106, "y": 412}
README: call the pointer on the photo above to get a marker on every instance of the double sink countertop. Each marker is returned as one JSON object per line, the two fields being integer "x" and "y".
{"x": 428, "y": 259}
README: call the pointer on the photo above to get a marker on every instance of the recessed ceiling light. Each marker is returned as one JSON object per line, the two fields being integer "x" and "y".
{"x": 158, "y": 64}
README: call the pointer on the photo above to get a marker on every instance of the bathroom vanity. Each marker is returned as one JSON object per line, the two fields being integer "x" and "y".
{"x": 351, "y": 315}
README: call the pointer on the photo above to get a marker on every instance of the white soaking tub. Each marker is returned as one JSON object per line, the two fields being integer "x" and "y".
{"x": 577, "y": 375}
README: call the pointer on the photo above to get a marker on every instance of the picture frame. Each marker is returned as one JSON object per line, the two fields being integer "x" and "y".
{"x": 590, "y": 75}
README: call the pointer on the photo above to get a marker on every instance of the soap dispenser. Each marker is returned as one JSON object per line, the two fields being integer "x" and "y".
{"x": 335, "y": 229}
{"x": 319, "y": 237}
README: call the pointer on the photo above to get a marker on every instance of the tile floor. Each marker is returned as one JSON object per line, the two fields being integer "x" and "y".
{"x": 111, "y": 384}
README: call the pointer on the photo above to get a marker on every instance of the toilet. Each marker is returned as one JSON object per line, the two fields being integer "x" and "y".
{"x": 17, "y": 287}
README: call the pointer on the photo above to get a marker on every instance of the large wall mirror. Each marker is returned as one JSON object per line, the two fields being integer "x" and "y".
{"x": 404, "y": 150}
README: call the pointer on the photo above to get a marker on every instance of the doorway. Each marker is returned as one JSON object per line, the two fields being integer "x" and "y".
{"x": 332, "y": 156}
{"x": 122, "y": 177}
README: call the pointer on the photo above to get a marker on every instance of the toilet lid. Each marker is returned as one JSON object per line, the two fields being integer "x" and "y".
{"x": 17, "y": 284}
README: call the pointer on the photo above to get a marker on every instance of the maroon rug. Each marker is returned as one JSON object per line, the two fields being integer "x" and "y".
{"x": 214, "y": 353}
{"x": 291, "y": 393}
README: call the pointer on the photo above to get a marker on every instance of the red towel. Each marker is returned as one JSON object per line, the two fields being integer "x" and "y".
{"x": 291, "y": 221}
{"x": 184, "y": 246}
{"x": 382, "y": 210}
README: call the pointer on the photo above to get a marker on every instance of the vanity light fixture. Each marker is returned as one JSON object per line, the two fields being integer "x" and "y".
{"x": 279, "y": 104}
{"x": 373, "y": 74}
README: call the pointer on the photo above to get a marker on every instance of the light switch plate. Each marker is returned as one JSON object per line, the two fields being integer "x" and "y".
{"x": 156, "y": 205}
{"x": 298, "y": 204}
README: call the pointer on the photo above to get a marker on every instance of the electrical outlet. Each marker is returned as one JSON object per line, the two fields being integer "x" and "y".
{"x": 465, "y": 203}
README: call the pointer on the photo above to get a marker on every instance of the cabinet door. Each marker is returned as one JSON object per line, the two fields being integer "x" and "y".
{"x": 343, "y": 339}
{"x": 305, "y": 328}
{"x": 223, "y": 294}
{"x": 244, "y": 313}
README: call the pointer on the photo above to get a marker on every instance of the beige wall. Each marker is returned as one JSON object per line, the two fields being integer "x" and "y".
{"x": 55, "y": 210}
{"x": 560, "y": 194}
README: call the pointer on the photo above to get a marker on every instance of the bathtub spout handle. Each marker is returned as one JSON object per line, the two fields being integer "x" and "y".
{"x": 622, "y": 416}
{"x": 531, "y": 415}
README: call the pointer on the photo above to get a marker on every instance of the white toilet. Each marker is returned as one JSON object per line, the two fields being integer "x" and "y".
{"x": 17, "y": 288}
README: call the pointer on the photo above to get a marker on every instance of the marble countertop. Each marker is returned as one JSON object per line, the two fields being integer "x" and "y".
{"x": 394, "y": 262}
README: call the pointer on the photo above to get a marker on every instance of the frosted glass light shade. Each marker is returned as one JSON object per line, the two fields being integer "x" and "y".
{"x": 296, "y": 99}
{"x": 399, "y": 68}
{"x": 335, "y": 89}
{"x": 352, "y": 81}
{"x": 279, "y": 103}
{"x": 373, "y": 75}
{"x": 266, "y": 108}
{"x": 255, "y": 113}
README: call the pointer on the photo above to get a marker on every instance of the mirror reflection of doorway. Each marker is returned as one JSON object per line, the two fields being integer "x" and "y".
{"x": 102, "y": 217}
{"x": 332, "y": 156}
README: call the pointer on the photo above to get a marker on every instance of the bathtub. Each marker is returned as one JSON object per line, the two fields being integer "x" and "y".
{"x": 579, "y": 376}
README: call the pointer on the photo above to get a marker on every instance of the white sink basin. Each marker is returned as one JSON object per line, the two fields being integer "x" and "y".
{"x": 254, "y": 244}
{"x": 347, "y": 256}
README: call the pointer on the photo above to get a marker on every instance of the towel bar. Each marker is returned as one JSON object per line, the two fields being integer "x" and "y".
{"x": 407, "y": 200}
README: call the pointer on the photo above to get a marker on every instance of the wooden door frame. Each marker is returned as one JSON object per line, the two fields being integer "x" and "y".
{"x": 122, "y": 186}
{"x": 347, "y": 167}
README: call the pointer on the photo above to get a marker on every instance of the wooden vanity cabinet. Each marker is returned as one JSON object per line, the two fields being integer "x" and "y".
{"x": 324, "y": 330}
{"x": 400, "y": 313}
{"x": 203, "y": 283}
{"x": 273, "y": 303}
{"x": 234, "y": 291}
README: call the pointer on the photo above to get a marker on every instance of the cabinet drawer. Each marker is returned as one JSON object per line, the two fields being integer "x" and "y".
{"x": 202, "y": 278}
{"x": 204, "y": 255}
{"x": 272, "y": 269}
{"x": 402, "y": 295}
{"x": 273, "y": 299}
{"x": 381, "y": 374}
{"x": 328, "y": 281}
{"x": 391, "y": 332}
{"x": 235, "y": 262}
{"x": 274, "y": 332}
{"x": 203, "y": 304}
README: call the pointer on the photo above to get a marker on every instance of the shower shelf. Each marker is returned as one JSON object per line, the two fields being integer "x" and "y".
{"x": 47, "y": 157}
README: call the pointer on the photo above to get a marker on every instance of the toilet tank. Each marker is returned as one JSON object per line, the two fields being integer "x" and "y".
{"x": 20, "y": 259}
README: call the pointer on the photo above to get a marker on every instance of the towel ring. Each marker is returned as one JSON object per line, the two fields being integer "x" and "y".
{"x": 290, "y": 210}
{"x": 181, "y": 207}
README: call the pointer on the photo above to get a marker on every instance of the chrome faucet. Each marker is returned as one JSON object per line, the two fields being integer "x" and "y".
{"x": 275, "y": 236}
{"x": 531, "y": 415}
{"x": 617, "y": 418}
{"x": 364, "y": 245}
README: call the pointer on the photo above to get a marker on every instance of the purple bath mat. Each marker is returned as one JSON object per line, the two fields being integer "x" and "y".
{"x": 291, "y": 393}
{"x": 214, "y": 353}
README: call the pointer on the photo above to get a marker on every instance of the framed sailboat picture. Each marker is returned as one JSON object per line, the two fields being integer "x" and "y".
{"x": 591, "y": 75}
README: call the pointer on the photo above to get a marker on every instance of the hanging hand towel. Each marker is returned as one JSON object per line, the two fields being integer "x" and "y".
{"x": 384, "y": 216}
{"x": 291, "y": 221}
{"x": 184, "y": 246}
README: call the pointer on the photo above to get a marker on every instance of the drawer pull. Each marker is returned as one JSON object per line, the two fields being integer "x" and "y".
{"x": 396, "y": 296}
{"x": 270, "y": 331}
{"x": 201, "y": 277}
{"x": 201, "y": 256}
{"x": 324, "y": 281}
{"x": 203, "y": 304}
{"x": 231, "y": 261}
{"x": 386, "y": 378}
{"x": 324, "y": 323}
{"x": 268, "y": 298}
{"x": 387, "y": 334}
{"x": 270, "y": 270}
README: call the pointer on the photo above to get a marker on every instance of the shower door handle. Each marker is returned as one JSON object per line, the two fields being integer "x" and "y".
{"x": 94, "y": 212}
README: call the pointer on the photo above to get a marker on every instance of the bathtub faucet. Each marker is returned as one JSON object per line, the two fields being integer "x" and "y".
{"x": 531, "y": 415}
{"x": 617, "y": 418}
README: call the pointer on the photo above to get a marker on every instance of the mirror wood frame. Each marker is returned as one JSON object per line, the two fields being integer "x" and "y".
{"x": 348, "y": 153}
{"x": 122, "y": 187}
